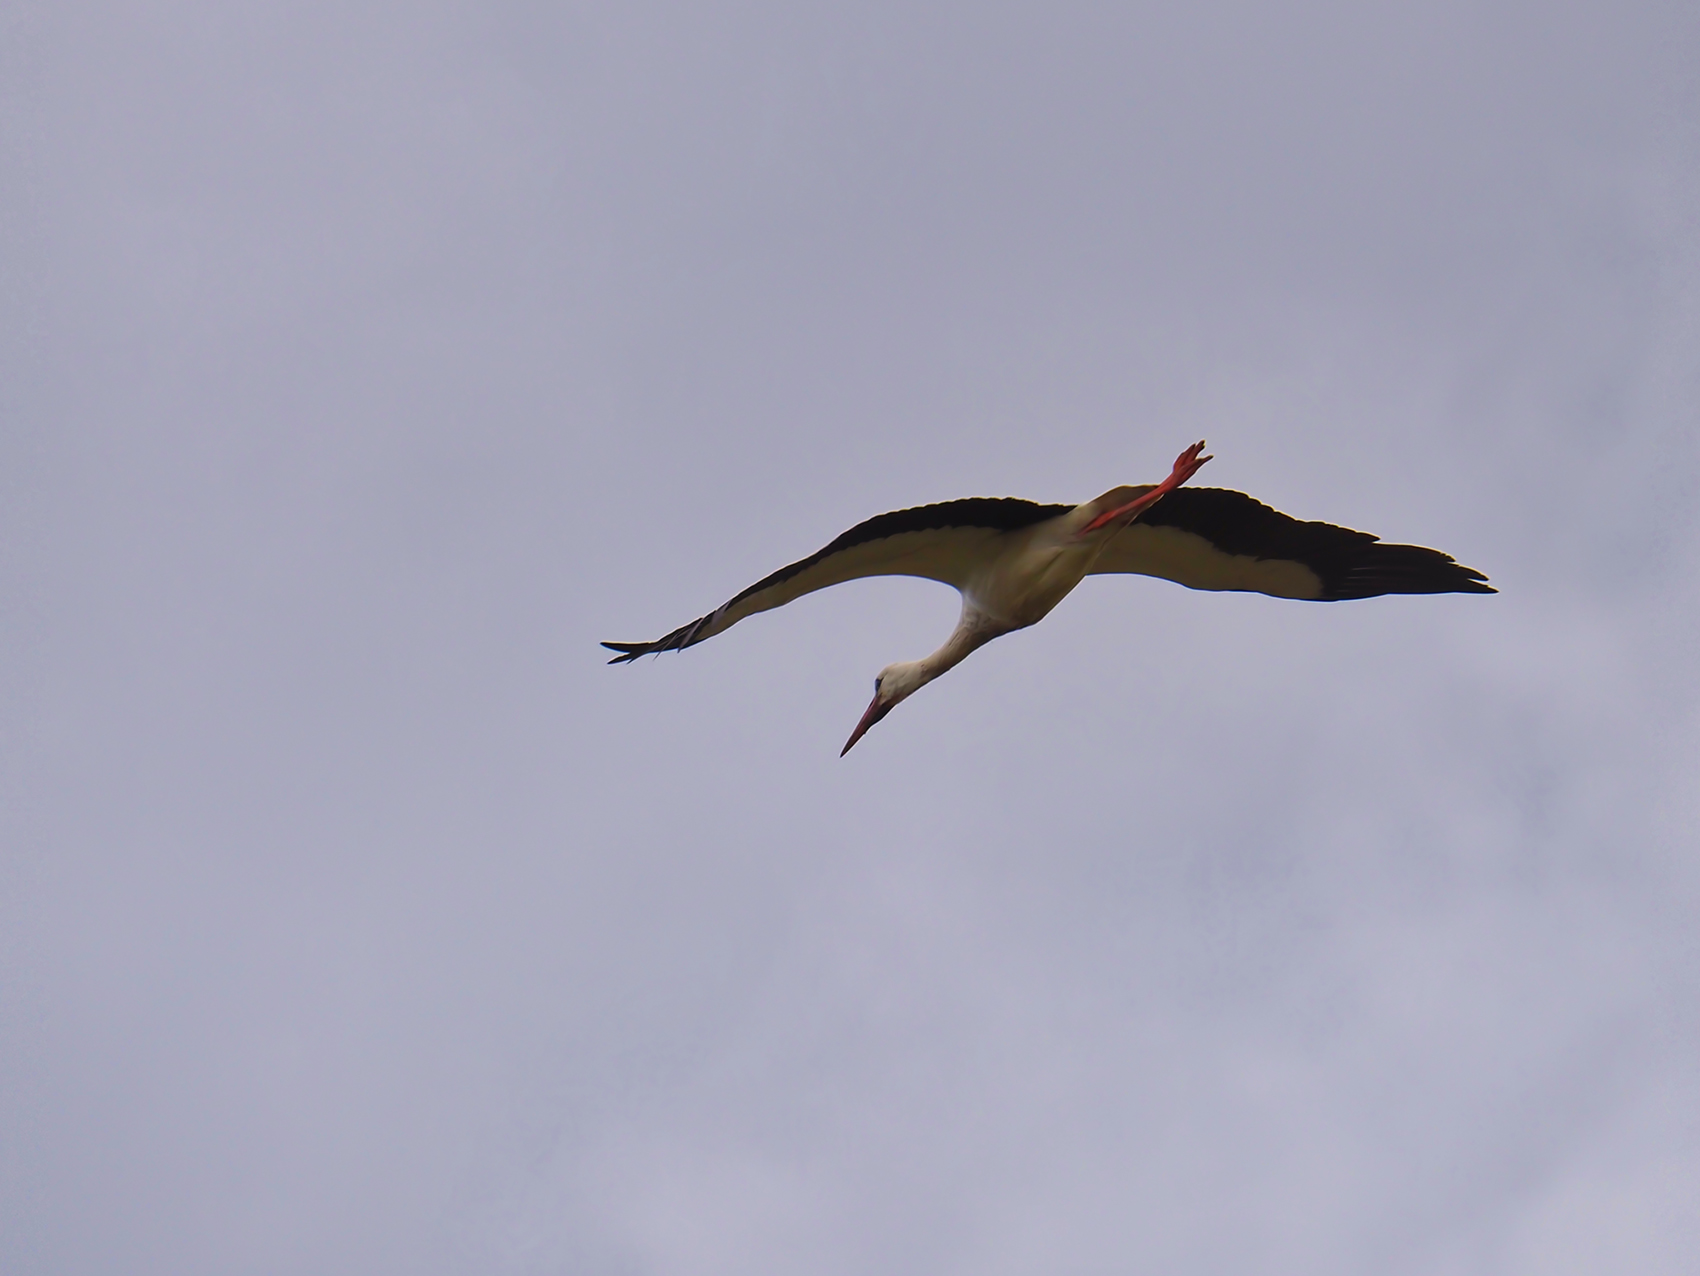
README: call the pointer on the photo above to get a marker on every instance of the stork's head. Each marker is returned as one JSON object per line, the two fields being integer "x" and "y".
{"x": 895, "y": 684}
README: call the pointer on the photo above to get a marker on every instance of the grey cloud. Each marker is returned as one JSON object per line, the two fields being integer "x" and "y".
{"x": 367, "y": 365}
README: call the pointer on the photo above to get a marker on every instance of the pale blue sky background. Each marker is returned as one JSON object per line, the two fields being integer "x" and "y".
{"x": 365, "y": 364}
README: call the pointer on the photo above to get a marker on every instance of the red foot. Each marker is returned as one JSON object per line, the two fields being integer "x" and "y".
{"x": 1186, "y": 465}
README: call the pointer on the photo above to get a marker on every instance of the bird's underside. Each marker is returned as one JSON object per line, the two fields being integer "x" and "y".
{"x": 1203, "y": 538}
{"x": 1014, "y": 560}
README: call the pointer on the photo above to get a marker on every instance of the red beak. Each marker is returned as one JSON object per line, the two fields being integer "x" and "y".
{"x": 875, "y": 712}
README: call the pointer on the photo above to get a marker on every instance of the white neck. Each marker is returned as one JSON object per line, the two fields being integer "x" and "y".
{"x": 974, "y": 629}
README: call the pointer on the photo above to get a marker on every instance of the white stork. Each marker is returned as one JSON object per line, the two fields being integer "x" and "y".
{"x": 1014, "y": 560}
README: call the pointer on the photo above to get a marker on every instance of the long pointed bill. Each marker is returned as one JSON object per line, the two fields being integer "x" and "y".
{"x": 875, "y": 712}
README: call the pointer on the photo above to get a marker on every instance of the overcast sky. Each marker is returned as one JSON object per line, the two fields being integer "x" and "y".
{"x": 366, "y": 364}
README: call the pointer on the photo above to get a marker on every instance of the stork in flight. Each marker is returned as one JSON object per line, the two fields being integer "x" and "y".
{"x": 1014, "y": 560}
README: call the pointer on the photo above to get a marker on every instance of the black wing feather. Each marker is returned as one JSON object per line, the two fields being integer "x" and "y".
{"x": 1350, "y": 564}
{"x": 994, "y": 513}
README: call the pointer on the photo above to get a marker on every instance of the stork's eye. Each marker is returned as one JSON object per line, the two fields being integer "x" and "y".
{"x": 877, "y": 682}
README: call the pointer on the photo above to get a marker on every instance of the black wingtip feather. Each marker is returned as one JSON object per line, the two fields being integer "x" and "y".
{"x": 1377, "y": 569}
{"x": 1420, "y": 567}
{"x": 682, "y": 637}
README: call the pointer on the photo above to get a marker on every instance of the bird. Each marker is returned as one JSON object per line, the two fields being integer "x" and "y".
{"x": 1013, "y": 560}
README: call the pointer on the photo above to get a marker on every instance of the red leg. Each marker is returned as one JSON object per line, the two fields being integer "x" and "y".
{"x": 1186, "y": 465}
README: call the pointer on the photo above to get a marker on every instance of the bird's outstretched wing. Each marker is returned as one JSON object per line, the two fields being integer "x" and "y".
{"x": 939, "y": 542}
{"x": 1211, "y": 538}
